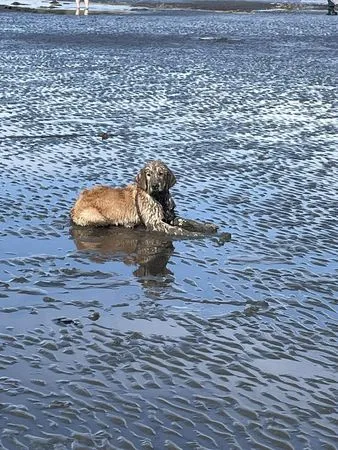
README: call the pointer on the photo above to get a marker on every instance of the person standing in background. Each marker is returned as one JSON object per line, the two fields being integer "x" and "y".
{"x": 86, "y": 3}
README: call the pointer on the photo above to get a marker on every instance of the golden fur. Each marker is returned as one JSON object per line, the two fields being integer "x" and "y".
{"x": 146, "y": 202}
{"x": 104, "y": 205}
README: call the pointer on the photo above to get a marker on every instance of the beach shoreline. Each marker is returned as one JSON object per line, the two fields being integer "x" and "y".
{"x": 227, "y": 6}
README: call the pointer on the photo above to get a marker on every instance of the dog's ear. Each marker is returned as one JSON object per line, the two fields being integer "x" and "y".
{"x": 171, "y": 179}
{"x": 141, "y": 179}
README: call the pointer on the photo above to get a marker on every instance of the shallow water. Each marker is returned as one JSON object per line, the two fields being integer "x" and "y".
{"x": 122, "y": 339}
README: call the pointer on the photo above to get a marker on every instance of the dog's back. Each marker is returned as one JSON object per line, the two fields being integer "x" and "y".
{"x": 104, "y": 205}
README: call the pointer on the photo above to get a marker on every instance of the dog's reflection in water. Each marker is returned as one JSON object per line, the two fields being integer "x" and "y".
{"x": 149, "y": 252}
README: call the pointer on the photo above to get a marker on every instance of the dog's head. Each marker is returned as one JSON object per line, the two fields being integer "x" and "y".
{"x": 155, "y": 178}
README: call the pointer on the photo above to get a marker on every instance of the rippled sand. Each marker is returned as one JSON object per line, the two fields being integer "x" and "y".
{"x": 130, "y": 340}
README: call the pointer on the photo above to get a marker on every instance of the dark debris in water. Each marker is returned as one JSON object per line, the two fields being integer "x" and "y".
{"x": 255, "y": 308}
{"x": 64, "y": 321}
{"x": 95, "y": 315}
{"x": 104, "y": 135}
{"x": 222, "y": 238}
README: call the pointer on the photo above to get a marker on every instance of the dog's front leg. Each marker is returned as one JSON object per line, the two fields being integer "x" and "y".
{"x": 153, "y": 217}
{"x": 163, "y": 227}
{"x": 194, "y": 225}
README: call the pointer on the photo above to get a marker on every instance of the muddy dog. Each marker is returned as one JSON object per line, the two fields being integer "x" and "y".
{"x": 146, "y": 202}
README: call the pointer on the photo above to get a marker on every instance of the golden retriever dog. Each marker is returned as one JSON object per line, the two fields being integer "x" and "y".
{"x": 146, "y": 202}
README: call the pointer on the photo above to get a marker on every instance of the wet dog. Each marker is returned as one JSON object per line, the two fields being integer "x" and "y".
{"x": 146, "y": 202}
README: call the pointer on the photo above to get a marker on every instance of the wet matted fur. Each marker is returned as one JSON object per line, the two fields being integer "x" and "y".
{"x": 146, "y": 202}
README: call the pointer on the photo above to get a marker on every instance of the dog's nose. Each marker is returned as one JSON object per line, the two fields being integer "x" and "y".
{"x": 156, "y": 186}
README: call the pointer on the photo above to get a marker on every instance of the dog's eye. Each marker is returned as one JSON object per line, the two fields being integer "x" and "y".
{"x": 148, "y": 174}
{"x": 161, "y": 174}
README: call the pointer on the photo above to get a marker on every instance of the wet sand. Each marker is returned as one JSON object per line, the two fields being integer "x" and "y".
{"x": 119, "y": 339}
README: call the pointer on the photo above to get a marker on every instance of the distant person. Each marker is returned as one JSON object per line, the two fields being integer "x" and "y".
{"x": 86, "y": 3}
{"x": 330, "y": 8}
